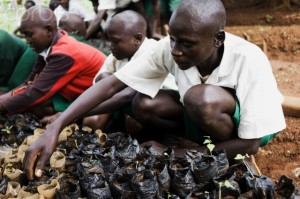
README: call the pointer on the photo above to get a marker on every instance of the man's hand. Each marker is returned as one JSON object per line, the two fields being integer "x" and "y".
{"x": 38, "y": 153}
{"x": 50, "y": 118}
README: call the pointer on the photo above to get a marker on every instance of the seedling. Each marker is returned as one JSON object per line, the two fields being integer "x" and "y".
{"x": 169, "y": 196}
{"x": 65, "y": 151}
{"x": 242, "y": 157}
{"x": 269, "y": 18}
{"x": 227, "y": 184}
{"x": 7, "y": 129}
{"x": 8, "y": 165}
{"x": 209, "y": 144}
{"x": 136, "y": 164}
{"x": 206, "y": 193}
{"x": 166, "y": 154}
{"x": 76, "y": 143}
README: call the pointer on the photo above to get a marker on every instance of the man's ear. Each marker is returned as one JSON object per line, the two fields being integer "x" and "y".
{"x": 138, "y": 38}
{"x": 219, "y": 38}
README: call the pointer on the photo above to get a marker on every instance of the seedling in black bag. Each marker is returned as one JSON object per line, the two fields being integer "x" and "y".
{"x": 242, "y": 157}
{"x": 8, "y": 165}
{"x": 209, "y": 144}
{"x": 7, "y": 129}
{"x": 227, "y": 184}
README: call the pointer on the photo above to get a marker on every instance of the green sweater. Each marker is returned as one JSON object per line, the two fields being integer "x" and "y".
{"x": 16, "y": 61}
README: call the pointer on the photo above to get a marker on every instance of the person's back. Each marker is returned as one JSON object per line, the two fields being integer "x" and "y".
{"x": 16, "y": 60}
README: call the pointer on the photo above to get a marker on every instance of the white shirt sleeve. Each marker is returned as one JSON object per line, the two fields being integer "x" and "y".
{"x": 107, "y": 67}
{"x": 260, "y": 101}
{"x": 75, "y": 8}
{"x": 147, "y": 73}
{"x": 107, "y": 4}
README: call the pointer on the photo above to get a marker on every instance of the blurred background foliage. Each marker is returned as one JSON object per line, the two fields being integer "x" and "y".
{"x": 11, "y": 11}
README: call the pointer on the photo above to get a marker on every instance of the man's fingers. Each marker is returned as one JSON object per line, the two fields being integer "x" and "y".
{"x": 45, "y": 120}
{"x": 28, "y": 164}
{"x": 41, "y": 163}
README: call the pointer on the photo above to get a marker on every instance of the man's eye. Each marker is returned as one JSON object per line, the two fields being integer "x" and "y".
{"x": 27, "y": 34}
{"x": 187, "y": 44}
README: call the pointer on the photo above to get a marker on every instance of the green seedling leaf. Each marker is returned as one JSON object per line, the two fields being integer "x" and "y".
{"x": 211, "y": 147}
{"x": 239, "y": 157}
{"x": 8, "y": 165}
{"x": 228, "y": 184}
{"x": 207, "y": 142}
{"x": 7, "y": 129}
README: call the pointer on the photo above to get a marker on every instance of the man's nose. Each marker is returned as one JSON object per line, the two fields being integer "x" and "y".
{"x": 175, "y": 51}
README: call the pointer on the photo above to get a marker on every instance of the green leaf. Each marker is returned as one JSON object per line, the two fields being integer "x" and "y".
{"x": 169, "y": 195}
{"x": 207, "y": 142}
{"x": 228, "y": 184}
{"x": 239, "y": 157}
{"x": 211, "y": 147}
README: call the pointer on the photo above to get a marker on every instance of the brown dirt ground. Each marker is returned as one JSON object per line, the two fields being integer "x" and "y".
{"x": 278, "y": 31}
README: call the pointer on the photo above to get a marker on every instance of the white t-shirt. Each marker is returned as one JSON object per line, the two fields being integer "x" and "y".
{"x": 114, "y": 4}
{"x": 74, "y": 8}
{"x": 111, "y": 7}
{"x": 111, "y": 64}
{"x": 244, "y": 68}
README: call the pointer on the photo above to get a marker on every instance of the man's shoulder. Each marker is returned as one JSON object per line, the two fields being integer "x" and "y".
{"x": 70, "y": 46}
{"x": 240, "y": 47}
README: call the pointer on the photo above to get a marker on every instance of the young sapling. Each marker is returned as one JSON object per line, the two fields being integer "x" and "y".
{"x": 227, "y": 184}
{"x": 209, "y": 144}
{"x": 243, "y": 157}
{"x": 7, "y": 129}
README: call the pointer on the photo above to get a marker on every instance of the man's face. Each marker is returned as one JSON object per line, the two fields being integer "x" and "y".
{"x": 38, "y": 38}
{"x": 190, "y": 46}
{"x": 122, "y": 42}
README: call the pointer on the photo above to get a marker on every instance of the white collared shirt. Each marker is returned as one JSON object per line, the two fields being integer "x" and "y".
{"x": 114, "y": 4}
{"x": 244, "y": 68}
{"x": 45, "y": 53}
{"x": 111, "y": 7}
{"x": 74, "y": 8}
